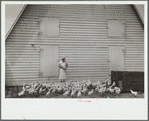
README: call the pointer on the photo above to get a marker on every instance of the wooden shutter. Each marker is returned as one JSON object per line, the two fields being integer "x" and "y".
{"x": 116, "y": 28}
{"x": 116, "y": 58}
{"x": 48, "y": 61}
{"x": 49, "y": 27}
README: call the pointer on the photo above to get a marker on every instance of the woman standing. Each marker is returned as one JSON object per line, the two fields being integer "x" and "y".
{"x": 62, "y": 70}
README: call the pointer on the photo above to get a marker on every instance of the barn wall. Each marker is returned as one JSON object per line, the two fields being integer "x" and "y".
{"x": 83, "y": 40}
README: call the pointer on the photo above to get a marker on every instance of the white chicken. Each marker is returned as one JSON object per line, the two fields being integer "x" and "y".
{"x": 117, "y": 90}
{"x": 48, "y": 85}
{"x": 107, "y": 89}
{"x": 94, "y": 85}
{"x": 59, "y": 89}
{"x": 48, "y": 93}
{"x": 111, "y": 90}
{"x": 102, "y": 90}
{"x": 73, "y": 92}
{"x": 40, "y": 90}
{"x": 102, "y": 85}
{"x": 91, "y": 92}
{"x": 66, "y": 93}
{"x": 65, "y": 88}
{"x": 78, "y": 88}
{"x": 84, "y": 89}
{"x": 134, "y": 93}
{"x": 79, "y": 94}
{"x": 99, "y": 82}
{"x": 54, "y": 91}
{"x": 109, "y": 80}
{"x": 113, "y": 84}
{"x": 31, "y": 92}
{"x": 96, "y": 89}
{"x": 21, "y": 93}
{"x": 89, "y": 83}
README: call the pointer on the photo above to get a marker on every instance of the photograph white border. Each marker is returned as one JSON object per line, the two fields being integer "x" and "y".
{"x": 99, "y": 109}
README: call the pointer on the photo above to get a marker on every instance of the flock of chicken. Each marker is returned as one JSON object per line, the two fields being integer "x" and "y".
{"x": 71, "y": 88}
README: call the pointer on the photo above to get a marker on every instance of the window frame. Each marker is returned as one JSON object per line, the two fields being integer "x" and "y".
{"x": 124, "y": 31}
{"x": 39, "y": 30}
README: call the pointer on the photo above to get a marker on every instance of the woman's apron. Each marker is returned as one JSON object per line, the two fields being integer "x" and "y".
{"x": 62, "y": 70}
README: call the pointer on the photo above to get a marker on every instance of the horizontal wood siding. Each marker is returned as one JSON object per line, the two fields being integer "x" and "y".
{"x": 83, "y": 40}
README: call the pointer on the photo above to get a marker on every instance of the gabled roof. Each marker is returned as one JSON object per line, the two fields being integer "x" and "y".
{"x": 140, "y": 11}
{"x": 14, "y": 11}
{"x": 12, "y": 14}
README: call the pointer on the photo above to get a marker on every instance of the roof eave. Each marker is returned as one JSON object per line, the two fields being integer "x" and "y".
{"x": 15, "y": 21}
{"x": 140, "y": 12}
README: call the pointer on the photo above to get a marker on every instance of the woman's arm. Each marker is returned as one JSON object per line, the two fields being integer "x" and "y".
{"x": 66, "y": 65}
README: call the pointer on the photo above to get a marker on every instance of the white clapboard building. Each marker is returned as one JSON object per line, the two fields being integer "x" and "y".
{"x": 95, "y": 39}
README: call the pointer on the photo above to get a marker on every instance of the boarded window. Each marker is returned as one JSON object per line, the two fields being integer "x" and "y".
{"x": 48, "y": 61}
{"x": 49, "y": 27}
{"x": 116, "y": 28}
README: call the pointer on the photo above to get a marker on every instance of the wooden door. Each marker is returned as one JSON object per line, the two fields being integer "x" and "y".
{"x": 116, "y": 58}
{"x": 48, "y": 61}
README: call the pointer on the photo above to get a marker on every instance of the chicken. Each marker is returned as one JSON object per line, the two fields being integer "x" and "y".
{"x": 84, "y": 89}
{"x": 110, "y": 90}
{"x": 73, "y": 92}
{"x": 37, "y": 87}
{"x": 54, "y": 90}
{"x": 99, "y": 82}
{"x": 89, "y": 83}
{"x": 44, "y": 84}
{"x": 107, "y": 86}
{"x": 94, "y": 85}
{"x": 48, "y": 85}
{"x": 27, "y": 86}
{"x": 117, "y": 90}
{"x": 21, "y": 93}
{"x": 31, "y": 91}
{"x": 35, "y": 92}
{"x": 102, "y": 85}
{"x": 64, "y": 89}
{"x": 48, "y": 93}
{"x": 79, "y": 94}
{"x": 102, "y": 90}
{"x": 44, "y": 89}
{"x": 59, "y": 89}
{"x": 66, "y": 93}
{"x": 134, "y": 93}
{"x": 113, "y": 84}
{"x": 24, "y": 86}
{"x": 97, "y": 87}
{"x": 83, "y": 82}
{"x": 91, "y": 92}
{"x": 109, "y": 82}
{"x": 78, "y": 87}
{"x": 40, "y": 90}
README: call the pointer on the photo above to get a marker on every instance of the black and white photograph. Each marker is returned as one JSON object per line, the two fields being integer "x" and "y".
{"x": 74, "y": 52}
